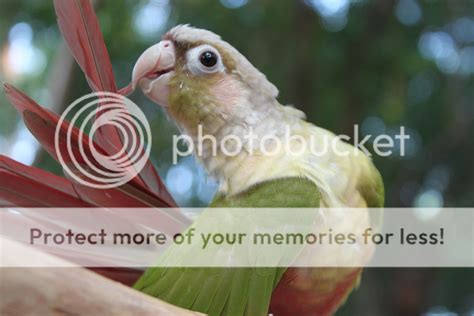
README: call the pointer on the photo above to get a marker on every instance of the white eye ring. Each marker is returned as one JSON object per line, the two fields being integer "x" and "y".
{"x": 194, "y": 64}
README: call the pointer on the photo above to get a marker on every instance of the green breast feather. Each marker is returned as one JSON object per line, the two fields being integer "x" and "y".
{"x": 229, "y": 291}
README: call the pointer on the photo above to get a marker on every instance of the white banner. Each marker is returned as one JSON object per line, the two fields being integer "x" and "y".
{"x": 337, "y": 237}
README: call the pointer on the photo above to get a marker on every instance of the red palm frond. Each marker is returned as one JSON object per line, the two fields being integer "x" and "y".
{"x": 80, "y": 28}
{"x": 42, "y": 125}
{"x": 81, "y": 31}
{"x": 25, "y": 186}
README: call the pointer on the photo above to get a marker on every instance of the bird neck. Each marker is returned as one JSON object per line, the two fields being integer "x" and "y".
{"x": 241, "y": 152}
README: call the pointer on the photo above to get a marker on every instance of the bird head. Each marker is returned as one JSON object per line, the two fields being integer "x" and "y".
{"x": 202, "y": 80}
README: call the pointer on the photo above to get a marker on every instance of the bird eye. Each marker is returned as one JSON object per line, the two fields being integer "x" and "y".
{"x": 204, "y": 59}
{"x": 208, "y": 59}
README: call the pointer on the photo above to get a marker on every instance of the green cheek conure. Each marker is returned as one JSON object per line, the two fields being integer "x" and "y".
{"x": 205, "y": 83}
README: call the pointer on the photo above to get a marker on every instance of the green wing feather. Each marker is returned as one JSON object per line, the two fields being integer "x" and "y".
{"x": 228, "y": 291}
{"x": 372, "y": 189}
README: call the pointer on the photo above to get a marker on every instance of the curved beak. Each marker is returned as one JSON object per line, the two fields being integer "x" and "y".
{"x": 153, "y": 70}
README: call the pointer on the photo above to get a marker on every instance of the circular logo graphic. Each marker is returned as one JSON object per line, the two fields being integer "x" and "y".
{"x": 110, "y": 119}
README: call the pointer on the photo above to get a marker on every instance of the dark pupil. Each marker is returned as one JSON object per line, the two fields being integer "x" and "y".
{"x": 208, "y": 59}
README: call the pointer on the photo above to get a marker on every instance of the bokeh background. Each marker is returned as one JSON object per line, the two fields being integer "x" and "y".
{"x": 378, "y": 64}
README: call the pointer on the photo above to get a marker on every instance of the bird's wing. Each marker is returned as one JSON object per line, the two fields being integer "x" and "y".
{"x": 236, "y": 290}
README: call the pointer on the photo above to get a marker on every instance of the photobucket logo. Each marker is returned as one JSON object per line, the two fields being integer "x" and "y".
{"x": 100, "y": 113}
{"x": 289, "y": 143}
